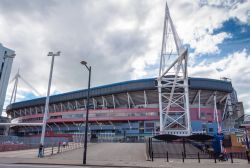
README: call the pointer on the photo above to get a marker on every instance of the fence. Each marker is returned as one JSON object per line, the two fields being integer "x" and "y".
{"x": 114, "y": 137}
{"x": 10, "y": 143}
{"x": 63, "y": 146}
{"x": 187, "y": 150}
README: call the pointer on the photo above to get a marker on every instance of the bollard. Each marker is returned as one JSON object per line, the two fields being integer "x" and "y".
{"x": 231, "y": 157}
{"x": 58, "y": 150}
{"x": 150, "y": 147}
{"x": 199, "y": 158}
{"x": 182, "y": 154}
{"x": 43, "y": 151}
{"x": 52, "y": 150}
{"x": 167, "y": 157}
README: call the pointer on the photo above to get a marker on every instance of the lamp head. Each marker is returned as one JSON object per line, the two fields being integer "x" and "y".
{"x": 56, "y": 54}
{"x": 83, "y": 62}
{"x": 9, "y": 56}
{"x": 50, "y": 54}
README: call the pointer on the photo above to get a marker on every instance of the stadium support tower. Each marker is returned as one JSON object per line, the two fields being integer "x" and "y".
{"x": 173, "y": 83}
{"x": 128, "y": 108}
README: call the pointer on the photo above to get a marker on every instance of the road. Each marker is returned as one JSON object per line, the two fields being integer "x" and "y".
{"x": 35, "y": 166}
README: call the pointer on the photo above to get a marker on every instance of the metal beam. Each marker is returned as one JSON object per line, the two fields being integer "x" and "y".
{"x": 130, "y": 99}
{"x": 94, "y": 103}
{"x": 49, "y": 127}
{"x": 224, "y": 110}
{"x": 65, "y": 125}
{"x": 113, "y": 98}
{"x": 210, "y": 98}
{"x": 195, "y": 97}
{"x": 104, "y": 102}
{"x": 77, "y": 126}
{"x": 57, "y": 126}
{"x": 76, "y": 104}
{"x": 22, "y": 124}
{"x": 145, "y": 99}
{"x": 223, "y": 98}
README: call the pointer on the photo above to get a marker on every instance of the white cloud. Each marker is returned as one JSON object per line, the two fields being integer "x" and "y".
{"x": 195, "y": 22}
{"x": 208, "y": 44}
{"x": 120, "y": 39}
{"x": 234, "y": 66}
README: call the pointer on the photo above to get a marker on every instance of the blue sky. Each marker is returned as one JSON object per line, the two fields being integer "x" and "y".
{"x": 122, "y": 40}
{"x": 239, "y": 40}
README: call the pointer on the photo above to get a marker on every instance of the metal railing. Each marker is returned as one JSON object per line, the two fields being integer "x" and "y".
{"x": 63, "y": 146}
{"x": 13, "y": 143}
{"x": 153, "y": 152}
{"x": 60, "y": 147}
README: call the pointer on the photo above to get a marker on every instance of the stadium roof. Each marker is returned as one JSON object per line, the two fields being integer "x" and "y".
{"x": 123, "y": 87}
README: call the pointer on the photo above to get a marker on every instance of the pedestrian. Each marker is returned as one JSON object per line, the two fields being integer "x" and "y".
{"x": 40, "y": 151}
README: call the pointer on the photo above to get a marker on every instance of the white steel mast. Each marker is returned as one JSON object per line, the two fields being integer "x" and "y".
{"x": 14, "y": 91}
{"x": 173, "y": 82}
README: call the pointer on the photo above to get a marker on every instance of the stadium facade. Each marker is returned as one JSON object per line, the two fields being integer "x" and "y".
{"x": 128, "y": 108}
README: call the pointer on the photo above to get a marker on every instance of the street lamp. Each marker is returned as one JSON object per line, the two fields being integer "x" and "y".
{"x": 87, "y": 114}
{"x": 45, "y": 116}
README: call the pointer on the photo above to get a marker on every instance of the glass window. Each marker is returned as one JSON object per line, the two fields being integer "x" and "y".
{"x": 211, "y": 130}
{"x": 203, "y": 115}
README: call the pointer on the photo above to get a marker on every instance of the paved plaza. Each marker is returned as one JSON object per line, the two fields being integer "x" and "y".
{"x": 107, "y": 155}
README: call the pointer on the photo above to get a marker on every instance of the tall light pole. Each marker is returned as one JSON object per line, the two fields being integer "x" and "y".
{"x": 87, "y": 115}
{"x": 45, "y": 116}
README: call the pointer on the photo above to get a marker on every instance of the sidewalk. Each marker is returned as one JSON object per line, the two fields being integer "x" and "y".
{"x": 112, "y": 155}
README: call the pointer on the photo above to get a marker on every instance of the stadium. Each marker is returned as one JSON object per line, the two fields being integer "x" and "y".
{"x": 130, "y": 109}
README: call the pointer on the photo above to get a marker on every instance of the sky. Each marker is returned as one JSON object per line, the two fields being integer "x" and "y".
{"x": 121, "y": 40}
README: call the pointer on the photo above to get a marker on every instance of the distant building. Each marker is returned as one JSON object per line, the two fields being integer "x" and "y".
{"x": 6, "y": 59}
{"x": 4, "y": 129}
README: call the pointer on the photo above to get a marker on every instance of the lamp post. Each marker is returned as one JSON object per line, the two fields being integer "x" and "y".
{"x": 40, "y": 154}
{"x": 87, "y": 114}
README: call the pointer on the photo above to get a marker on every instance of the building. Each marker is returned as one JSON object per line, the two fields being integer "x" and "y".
{"x": 4, "y": 129}
{"x": 6, "y": 59}
{"x": 128, "y": 108}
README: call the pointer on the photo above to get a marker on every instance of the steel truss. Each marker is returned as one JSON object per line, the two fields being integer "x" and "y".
{"x": 173, "y": 83}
